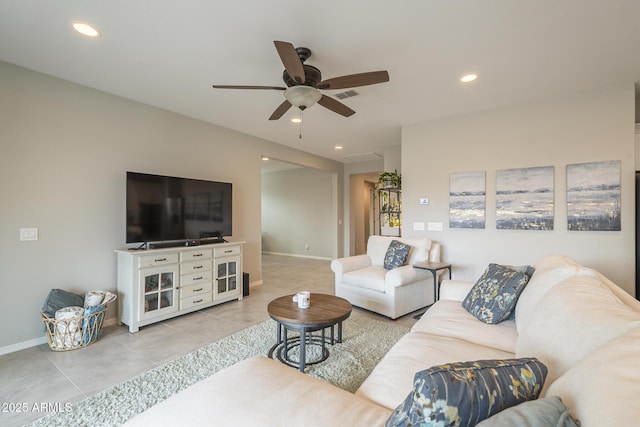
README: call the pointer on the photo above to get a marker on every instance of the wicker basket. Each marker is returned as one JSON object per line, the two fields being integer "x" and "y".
{"x": 76, "y": 332}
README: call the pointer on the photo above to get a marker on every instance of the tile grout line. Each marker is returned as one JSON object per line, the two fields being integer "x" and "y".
{"x": 84, "y": 395}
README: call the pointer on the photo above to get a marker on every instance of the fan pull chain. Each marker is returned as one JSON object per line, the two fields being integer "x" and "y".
{"x": 300, "y": 135}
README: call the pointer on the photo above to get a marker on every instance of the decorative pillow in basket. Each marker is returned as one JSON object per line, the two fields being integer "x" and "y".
{"x": 70, "y": 326}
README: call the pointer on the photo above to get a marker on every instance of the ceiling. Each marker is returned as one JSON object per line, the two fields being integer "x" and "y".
{"x": 168, "y": 54}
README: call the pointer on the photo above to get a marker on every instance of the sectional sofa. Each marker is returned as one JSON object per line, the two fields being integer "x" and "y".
{"x": 583, "y": 328}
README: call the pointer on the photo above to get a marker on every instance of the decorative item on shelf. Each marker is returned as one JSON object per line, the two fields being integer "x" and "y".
{"x": 389, "y": 203}
{"x": 390, "y": 180}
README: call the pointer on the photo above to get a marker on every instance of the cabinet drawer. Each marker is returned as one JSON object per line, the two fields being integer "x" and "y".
{"x": 195, "y": 254}
{"x": 193, "y": 290}
{"x": 195, "y": 266}
{"x": 158, "y": 259}
{"x": 195, "y": 300}
{"x": 195, "y": 278}
{"x": 226, "y": 251}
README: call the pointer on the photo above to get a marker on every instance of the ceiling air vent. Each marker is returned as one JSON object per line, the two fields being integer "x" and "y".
{"x": 347, "y": 94}
{"x": 363, "y": 157}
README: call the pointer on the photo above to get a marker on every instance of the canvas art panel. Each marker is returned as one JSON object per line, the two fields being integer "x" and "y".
{"x": 467, "y": 200}
{"x": 524, "y": 198}
{"x": 593, "y": 196}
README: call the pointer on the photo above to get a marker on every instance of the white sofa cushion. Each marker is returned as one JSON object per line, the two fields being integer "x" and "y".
{"x": 602, "y": 387}
{"x": 368, "y": 278}
{"x": 449, "y": 318}
{"x": 262, "y": 392}
{"x": 419, "y": 249}
{"x": 392, "y": 378}
{"x": 549, "y": 271}
{"x": 574, "y": 318}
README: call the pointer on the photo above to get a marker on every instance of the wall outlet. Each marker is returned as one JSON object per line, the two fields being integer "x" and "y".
{"x": 418, "y": 226}
{"x": 28, "y": 234}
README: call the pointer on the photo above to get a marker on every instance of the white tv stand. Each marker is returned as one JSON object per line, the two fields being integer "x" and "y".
{"x": 158, "y": 284}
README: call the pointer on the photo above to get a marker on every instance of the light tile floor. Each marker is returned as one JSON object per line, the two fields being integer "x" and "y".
{"x": 38, "y": 375}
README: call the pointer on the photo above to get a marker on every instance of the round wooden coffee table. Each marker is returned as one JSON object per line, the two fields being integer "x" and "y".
{"x": 324, "y": 312}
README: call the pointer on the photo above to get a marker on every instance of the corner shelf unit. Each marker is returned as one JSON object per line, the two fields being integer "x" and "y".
{"x": 389, "y": 211}
{"x": 158, "y": 284}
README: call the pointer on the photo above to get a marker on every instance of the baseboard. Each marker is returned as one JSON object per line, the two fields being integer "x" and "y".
{"x": 42, "y": 340}
{"x": 22, "y": 345}
{"x": 298, "y": 255}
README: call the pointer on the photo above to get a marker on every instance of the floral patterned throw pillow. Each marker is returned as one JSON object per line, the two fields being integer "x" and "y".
{"x": 465, "y": 393}
{"x": 396, "y": 254}
{"x": 494, "y": 296}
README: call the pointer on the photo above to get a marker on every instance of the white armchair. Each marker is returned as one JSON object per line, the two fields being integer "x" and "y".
{"x": 363, "y": 280}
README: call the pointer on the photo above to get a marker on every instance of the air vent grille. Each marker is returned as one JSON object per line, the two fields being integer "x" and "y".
{"x": 363, "y": 157}
{"x": 347, "y": 94}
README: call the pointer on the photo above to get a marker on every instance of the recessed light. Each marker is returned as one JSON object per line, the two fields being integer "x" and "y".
{"x": 468, "y": 78}
{"x": 86, "y": 29}
{"x": 296, "y": 120}
{"x": 265, "y": 158}
{"x": 338, "y": 147}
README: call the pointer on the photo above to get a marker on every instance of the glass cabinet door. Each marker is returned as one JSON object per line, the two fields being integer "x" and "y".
{"x": 226, "y": 277}
{"x": 159, "y": 291}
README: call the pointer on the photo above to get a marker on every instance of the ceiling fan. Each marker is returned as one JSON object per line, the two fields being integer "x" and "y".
{"x": 305, "y": 81}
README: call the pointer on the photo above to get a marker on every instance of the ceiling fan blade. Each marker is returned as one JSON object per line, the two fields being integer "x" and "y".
{"x": 335, "y": 106}
{"x": 290, "y": 60}
{"x": 354, "y": 80}
{"x": 248, "y": 87}
{"x": 282, "y": 108}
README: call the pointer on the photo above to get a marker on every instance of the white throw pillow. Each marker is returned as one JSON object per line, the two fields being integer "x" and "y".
{"x": 601, "y": 389}
{"x": 572, "y": 320}
{"x": 549, "y": 271}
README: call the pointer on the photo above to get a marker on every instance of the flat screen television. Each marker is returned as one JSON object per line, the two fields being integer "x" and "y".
{"x": 171, "y": 209}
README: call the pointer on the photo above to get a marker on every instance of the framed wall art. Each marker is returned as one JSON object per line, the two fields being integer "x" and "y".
{"x": 524, "y": 198}
{"x": 467, "y": 200}
{"x": 593, "y": 196}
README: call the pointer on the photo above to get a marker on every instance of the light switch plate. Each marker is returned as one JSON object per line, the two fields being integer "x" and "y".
{"x": 418, "y": 226}
{"x": 424, "y": 201}
{"x": 28, "y": 234}
{"x": 435, "y": 226}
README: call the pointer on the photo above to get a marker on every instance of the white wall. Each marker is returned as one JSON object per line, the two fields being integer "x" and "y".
{"x": 586, "y": 127}
{"x": 64, "y": 151}
{"x": 298, "y": 213}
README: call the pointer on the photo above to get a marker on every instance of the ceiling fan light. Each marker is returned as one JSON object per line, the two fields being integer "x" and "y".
{"x": 86, "y": 29}
{"x": 468, "y": 78}
{"x": 302, "y": 96}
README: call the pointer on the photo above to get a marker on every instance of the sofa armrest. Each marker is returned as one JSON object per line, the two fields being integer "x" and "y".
{"x": 351, "y": 263}
{"x": 404, "y": 275}
{"x": 455, "y": 290}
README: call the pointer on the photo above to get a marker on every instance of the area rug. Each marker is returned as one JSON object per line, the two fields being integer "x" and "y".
{"x": 364, "y": 343}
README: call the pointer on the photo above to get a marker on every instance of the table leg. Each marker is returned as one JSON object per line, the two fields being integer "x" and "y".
{"x": 279, "y": 333}
{"x": 303, "y": 355}
{"x": 339, "y": 331}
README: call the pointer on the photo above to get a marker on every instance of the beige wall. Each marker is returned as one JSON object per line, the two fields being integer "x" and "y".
{"x": 586, "y": 127}
{"x": 298, "y": 213}
{"x": 64, "y": 151}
